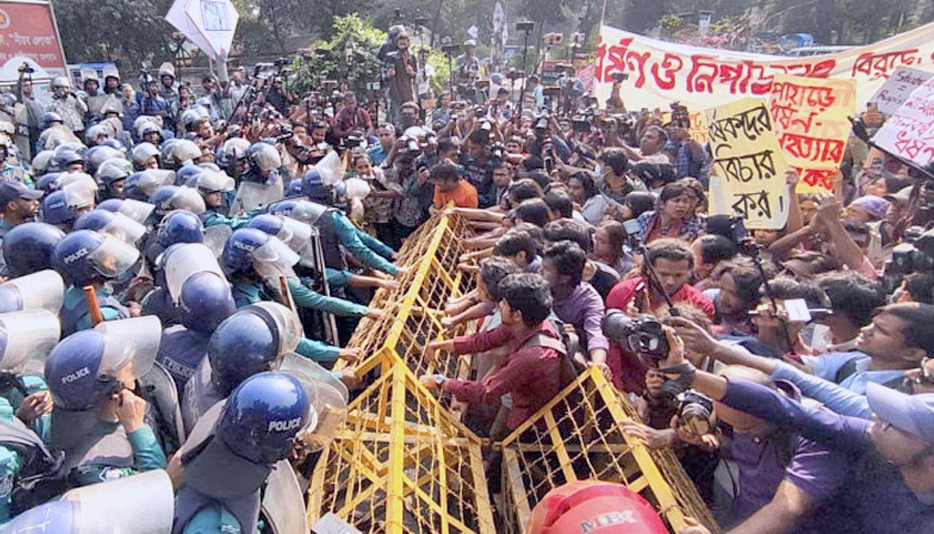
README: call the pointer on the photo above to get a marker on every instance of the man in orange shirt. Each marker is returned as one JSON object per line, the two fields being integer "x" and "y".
{"x": 449, "y": 186}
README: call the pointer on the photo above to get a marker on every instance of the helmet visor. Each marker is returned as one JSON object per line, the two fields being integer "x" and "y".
{"x": 129, "y": 342}
{"x": 213, "y": 182}
{"x": 41, "y": 290}
{"x": 113, "y": 257}
{"x": 153, "y": 179}
{"x": 80, "y": 194}
{"x": 328, "y": 397}
{"x": 275, "y": 259}
{"x": 136, "y": 210}
{"x": 27, "y": 335}
{"x": 184, "y": 260}
{"x": 125, "y": 229}
{"x": 189, "y": 200}
{"x": 287, "y": 323}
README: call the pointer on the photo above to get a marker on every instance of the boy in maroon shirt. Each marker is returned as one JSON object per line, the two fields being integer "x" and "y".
{"x": 532, "y": 370}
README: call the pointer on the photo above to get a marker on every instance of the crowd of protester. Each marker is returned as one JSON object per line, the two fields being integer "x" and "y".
{"x": 189, "y": 210}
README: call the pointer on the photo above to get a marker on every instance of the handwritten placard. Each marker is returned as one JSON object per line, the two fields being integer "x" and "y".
{"x": 748, "y": 173}
{"x": 896, "y": 90}
{"x": 811, "y": 122}
{"x": 909, "y": 133}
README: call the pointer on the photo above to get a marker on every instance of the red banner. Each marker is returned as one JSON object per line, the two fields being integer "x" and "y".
{"x": 27, "y": 30}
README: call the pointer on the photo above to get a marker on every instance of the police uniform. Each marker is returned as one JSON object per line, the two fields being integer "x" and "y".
{"x": 75, "y": 315}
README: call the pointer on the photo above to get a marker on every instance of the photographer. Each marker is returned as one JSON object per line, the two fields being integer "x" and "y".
{"x": 672, "y": 261}
{"x": 889, "y": 460}
{"x": 401, "y": 72}
{"x": 26, "y": 95}
{"x": 352, "y": 118}
{"x": 478, "y": 166}
{"x": 651, "y": 143}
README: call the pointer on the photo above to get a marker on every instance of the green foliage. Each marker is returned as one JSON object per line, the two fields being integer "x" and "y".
{"x": 350, "y": 57}
{"x": 442, "y": 73}
{"x": 95, "y": 30}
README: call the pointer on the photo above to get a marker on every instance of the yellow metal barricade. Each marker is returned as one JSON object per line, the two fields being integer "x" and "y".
{"x": 577, "y": 436}
{"x": 404, "y": 463}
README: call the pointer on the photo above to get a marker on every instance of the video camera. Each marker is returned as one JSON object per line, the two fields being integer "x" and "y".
{"x": 410, "y": 146}
{"x": 642, "y": 335}
{"x": 619, "y": 77}
{"x": 915, "y": 255}
{"x": 25, "y": 68}
{"x": 497, "y": 151}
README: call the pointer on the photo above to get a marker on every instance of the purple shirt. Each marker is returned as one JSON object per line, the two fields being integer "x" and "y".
{"x": 584, "y": 309}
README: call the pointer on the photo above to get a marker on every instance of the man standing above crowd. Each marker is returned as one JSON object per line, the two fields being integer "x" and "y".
{"x": 401, "y": 71}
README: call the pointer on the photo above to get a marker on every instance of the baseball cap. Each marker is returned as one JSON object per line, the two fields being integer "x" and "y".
{"x": 11, "y": 190}
{"x": 903, "y": 196}
{"x": 911, "y": 413}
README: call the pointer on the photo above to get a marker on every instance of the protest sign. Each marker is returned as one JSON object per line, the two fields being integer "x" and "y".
{"x": 909, "y": 133}
{"x": 210, "y": 24}
{"x": 896, "y": 90}
{"x": 662, "y": 72}
{"x": 811, "y": 122}
{"x": 748, "y": 172}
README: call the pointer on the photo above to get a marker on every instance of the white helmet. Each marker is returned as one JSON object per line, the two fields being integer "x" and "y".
{"x": 142, "y": 152}
{"x": 264, "y": 156}
{"x": 61, "y": 81}
{"x": 40, "y": 163}
{"x": 185, "y": 150}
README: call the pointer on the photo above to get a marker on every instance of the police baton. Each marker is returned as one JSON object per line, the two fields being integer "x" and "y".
{"x": 286, "y": 294}
{"x": 94, "y": 308}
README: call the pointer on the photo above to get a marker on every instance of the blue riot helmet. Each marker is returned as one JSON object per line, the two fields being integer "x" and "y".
{"x": 91, "y": 365}
{"x": 205, "y": 302}
{"x": 188, "y": 174}
{"x": 114, "y": 224}
{"x": 26, "y": 338}
{"x": 314, "y": 188}
{"x": 143, "y": 155}
{"x": 27, "y": 248}
{"x": 113, "y": 170}
{"x": 140, "y": 186}
{"x": 252, "y": 340}
{"x": 294, "y": 188}
{"x": 295, "y": 234}
{"x": 99, "y": 154}
{"x": 114, "y": 144}
{"x": 65, "y": 158}
{"x": 237, "y": 255}
{"x": 283, "y": 207}
{"x": 180, "y": 227}
{"x": 55, "y": 210}
{"x": 48, "y": 182}
{"x": 40, "y": 290}
{"x": 252, "y": 430}
{"x": 85, "y": 256}
{"x": 329, "y": 398}
{"x": 134, "y": 209}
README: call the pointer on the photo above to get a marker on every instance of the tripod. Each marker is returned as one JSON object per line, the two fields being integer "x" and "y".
{"x": 526, "y": 29}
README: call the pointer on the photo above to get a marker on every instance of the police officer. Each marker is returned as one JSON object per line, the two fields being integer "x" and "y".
{"x": 337, "y": 231}
{"x": 215, "y": 188}
{"x": 286, "y": 228}
{"x": 145, "y": 156}
{"x": 252, "y": 340}
{"x": 87, "y": 258}
{"x": 29, "y": 337}
{"x": 63, "y": 207}
{"x": 230, "y": 453}
{"x": 67, "y": 105}
{"x": 197, "y": 288}
{"x": 18, "y": 205}
{"x": 265, "y": 180}
{"x": 141, "y": 185}
{"x": 98, "y": 420}
{"x": 112, "y": 177}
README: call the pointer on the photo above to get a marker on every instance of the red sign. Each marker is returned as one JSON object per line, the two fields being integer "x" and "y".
{"x": 27, "y": 29}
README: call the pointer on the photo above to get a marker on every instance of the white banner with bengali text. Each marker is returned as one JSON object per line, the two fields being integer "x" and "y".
{"x": 701, "y": 78}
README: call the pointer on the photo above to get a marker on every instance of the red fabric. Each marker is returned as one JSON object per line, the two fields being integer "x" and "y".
{"x": 531, "y": 374}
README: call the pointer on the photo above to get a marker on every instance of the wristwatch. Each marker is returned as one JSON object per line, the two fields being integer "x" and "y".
{"x": 439, "y": 379}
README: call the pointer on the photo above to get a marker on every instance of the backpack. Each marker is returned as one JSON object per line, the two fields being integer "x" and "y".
{"x": 850, "y": 368}
{"x": 43, "y": 475}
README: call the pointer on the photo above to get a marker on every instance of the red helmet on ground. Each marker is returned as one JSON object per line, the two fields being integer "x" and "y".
{"x": 594, "y": 506}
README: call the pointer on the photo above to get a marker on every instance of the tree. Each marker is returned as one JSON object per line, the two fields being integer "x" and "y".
{"x": 349, "y": 56}
{"x": 108, "y": 30}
